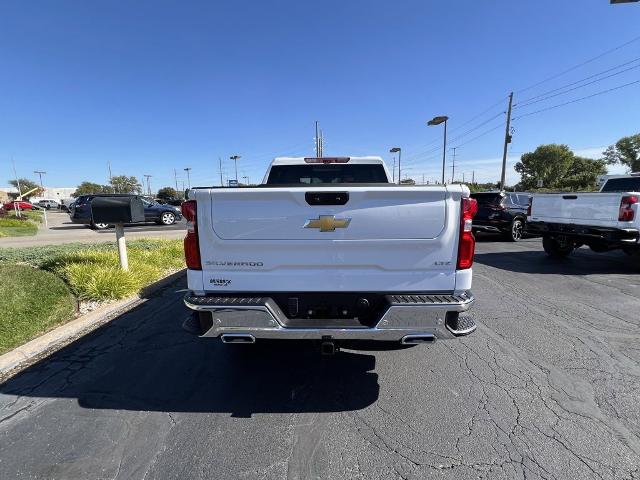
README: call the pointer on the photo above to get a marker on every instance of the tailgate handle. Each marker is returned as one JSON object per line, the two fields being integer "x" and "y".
{"x": 570, "y": 197}
{"x": 326, "y": 198}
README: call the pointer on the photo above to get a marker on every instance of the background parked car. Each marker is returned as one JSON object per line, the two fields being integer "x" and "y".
{"x": 502, "y": 212}
{"x": 48, "y": 204}
{"x": 80, "y": 212}
{"x": 21, "y": 204}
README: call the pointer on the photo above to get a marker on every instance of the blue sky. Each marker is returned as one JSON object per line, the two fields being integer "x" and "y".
{"x": 155, "y": 85}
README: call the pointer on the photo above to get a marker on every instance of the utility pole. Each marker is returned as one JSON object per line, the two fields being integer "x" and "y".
{"x": 473, "y": 177}
{"x": 40, "y": 173}
{"x": 188, "y": 169}
{"x": 246, "y": 179}
{"x": 423, "y": 179}
{"x": 110, "y": 175}
{"x": 220, "y": 162}
{"x": 148, "y": 177}
{"x": 317, "y": 141}
{"x": 463, "y": 177}
{"x": 507, "y": 141}
{"x": 398, "y": 150}
{"x": 321, "y": 144}
{"x": 175, "y": 177}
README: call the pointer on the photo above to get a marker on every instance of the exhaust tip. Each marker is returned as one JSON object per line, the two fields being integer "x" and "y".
{"x": 237, "y": 338}
{"x": 416, "y": 339}
{"x": 328, "y": 348}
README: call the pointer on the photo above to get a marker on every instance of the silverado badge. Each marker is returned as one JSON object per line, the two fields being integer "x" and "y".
{"x": 327, "y": 223}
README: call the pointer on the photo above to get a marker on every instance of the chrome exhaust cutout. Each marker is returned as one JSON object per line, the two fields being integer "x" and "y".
{"x": 237, "y": 338}
{"x": 416, "y": 339}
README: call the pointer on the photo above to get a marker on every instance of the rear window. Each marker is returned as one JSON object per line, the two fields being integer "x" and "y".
{"x": 488, "y": 198}
{"x": 631, "y": 184}
{"x": 314, "y": 174}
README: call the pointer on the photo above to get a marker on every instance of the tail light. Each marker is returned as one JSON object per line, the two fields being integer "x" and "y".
{"x": 530, "y": 206}
{"x": 626, "y": 212}
{"x": 467, "y": 245}
{"x": 191, "y": 246}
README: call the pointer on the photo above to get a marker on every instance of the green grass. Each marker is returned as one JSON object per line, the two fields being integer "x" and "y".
{"x": 32, "y": 302}
{"x": 95, "y": 274}
{"x": 12, "y": 227}
{"x": 33, "y": 215}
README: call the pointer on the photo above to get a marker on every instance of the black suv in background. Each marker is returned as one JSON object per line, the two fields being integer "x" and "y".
{"x": 502, "y": 212}
{"x": 80, "y": 212}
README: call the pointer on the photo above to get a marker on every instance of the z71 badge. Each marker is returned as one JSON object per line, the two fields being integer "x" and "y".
{"x": 219, "y": 282}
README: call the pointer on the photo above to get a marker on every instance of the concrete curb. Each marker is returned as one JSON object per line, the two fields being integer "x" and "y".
{"x": 15, "y": 361}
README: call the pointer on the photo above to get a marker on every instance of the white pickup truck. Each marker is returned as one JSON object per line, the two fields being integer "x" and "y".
{"x": 605, "y": 220}
{"x": 329, "y": 249}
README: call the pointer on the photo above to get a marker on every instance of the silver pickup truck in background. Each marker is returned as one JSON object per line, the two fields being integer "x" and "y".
{"x": 604, "y": 221}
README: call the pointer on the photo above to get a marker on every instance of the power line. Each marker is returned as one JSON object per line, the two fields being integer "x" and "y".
{"x": 593, "y": 59}
{"x": 477, "y": 127}
{"x": 527, "y": 103}
{"x": 480, "y": 114}
{"x": 481, "y": 135}
{"x": 475, "y": 117}
{"x": 577, "y": 99}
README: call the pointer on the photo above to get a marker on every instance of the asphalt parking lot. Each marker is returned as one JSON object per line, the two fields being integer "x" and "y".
{"x": 547, "y": 387}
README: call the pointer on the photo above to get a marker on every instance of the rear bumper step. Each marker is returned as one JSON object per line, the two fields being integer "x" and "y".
{"x": 408, "y": 318}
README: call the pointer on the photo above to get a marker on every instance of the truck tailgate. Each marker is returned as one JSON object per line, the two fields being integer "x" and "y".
{"x": 590, "y": 208}
{"x": 383, "y": 238}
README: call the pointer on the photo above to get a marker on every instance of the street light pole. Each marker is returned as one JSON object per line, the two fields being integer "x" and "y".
{"x": 246, "y": 179}
{"x": 148, "y": 177}
{"x": 235, "y": 159}
{"x": 393, "y": 174}
{"x": 437, "y": 121}
{"x": 188, "y": 169}
{"x": 398, "y": 150}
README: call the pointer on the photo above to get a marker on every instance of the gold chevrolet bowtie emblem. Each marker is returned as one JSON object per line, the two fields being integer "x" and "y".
{"x": 328, "y": 223}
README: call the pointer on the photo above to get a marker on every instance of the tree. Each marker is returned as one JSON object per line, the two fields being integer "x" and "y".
{"x": 582, "y": 173}
{"x": 125, "y": 184}
{"x": 626, "y": 152}
{"x": 408, "y": 181}
{"x": 167, "y": 193}
{"x": 88, "y": 188}
{"x": 558, "y": 168}
{"x": 26, "y": 185}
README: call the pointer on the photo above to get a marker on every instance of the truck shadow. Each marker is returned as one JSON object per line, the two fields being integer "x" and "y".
{"x": 580, "y": 262}
{"x": 144, "y": 361}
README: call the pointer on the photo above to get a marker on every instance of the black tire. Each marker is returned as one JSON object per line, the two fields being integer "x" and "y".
{"x": 556, "y": 249}
{"x": 167, "y": 218}
{"x": 516, "y": 232}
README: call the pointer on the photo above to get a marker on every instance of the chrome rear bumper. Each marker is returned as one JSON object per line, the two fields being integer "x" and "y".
{"x": 408, "y": 316}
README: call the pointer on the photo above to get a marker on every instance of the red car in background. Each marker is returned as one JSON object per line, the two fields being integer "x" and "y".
{"x": 21, "y": 204}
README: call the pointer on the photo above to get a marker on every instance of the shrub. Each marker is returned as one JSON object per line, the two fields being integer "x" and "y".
{"x": 95, "y": 274}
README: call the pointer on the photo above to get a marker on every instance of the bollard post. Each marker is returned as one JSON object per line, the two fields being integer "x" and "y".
{"x": 122, "y": 247}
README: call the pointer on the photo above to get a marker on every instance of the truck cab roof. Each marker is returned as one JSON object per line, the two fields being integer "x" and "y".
{"x": 326, "y": 170}
{"x": 370, "y": 160}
